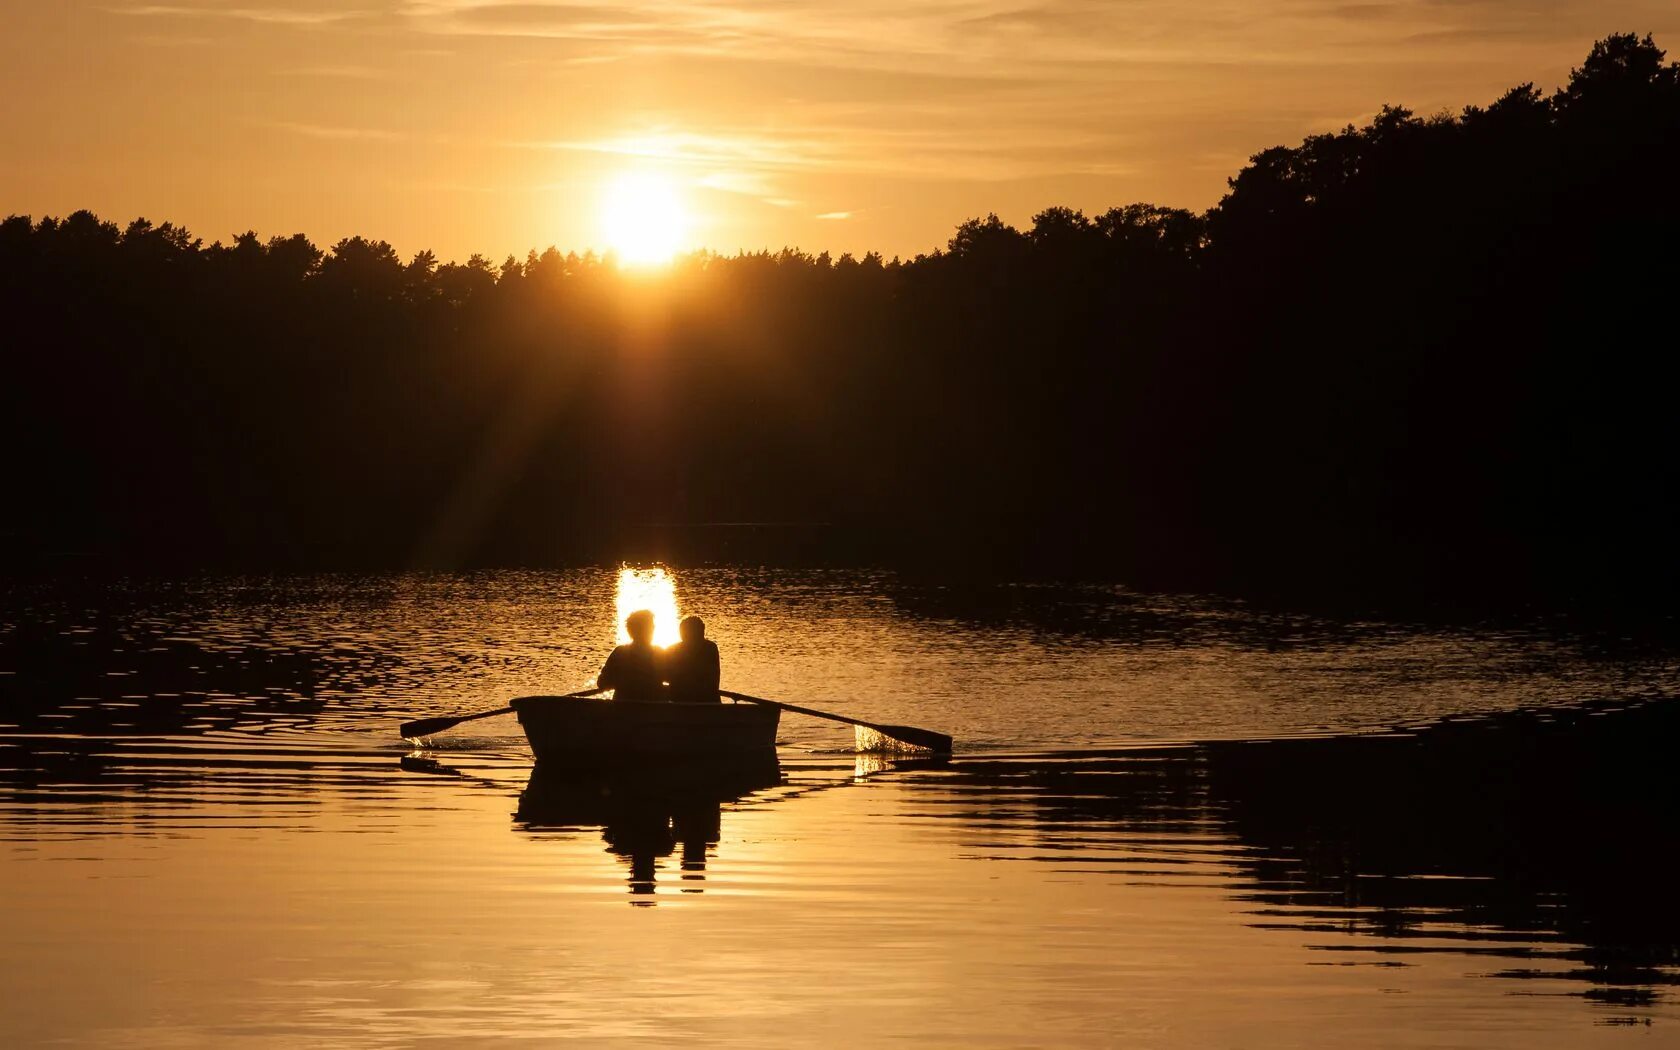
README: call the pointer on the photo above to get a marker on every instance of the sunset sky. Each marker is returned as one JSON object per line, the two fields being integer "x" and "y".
{"x": 466, "y": 125}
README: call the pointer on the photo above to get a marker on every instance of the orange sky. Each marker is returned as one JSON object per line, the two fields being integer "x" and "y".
{"x": 467, "y": 125}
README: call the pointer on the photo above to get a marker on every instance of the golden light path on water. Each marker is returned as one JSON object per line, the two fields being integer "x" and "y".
{"x": 655, "y": 590}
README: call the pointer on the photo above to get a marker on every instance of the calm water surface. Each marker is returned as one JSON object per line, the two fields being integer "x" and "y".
{"x": 210, "y": 834}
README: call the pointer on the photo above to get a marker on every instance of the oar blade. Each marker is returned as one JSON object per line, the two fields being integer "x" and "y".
{"x": 922, "y": 739}
{"x": 424, "y": 727}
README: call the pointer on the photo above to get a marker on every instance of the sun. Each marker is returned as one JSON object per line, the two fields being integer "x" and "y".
{"x": 643, "y": 218}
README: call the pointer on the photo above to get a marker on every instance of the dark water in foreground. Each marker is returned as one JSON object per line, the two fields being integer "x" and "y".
{"x": 209, "y": 835}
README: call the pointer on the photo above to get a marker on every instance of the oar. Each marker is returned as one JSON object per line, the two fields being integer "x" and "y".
{"x": 422, "y": 727}
{"x": 926, "y": 739}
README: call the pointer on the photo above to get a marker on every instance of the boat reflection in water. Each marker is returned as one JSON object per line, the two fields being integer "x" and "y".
{"x": 647, "y": 811}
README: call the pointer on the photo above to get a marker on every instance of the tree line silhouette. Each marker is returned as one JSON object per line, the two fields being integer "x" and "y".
{"x": 1429, "y": 355}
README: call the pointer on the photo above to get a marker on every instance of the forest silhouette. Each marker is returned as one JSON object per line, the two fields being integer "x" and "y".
{"x": 1433, "y": 355}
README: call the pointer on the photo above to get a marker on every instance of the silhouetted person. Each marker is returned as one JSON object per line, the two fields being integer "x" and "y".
{"x": 641, "y": 833}
{"x": 697, "y": 825}
{"x": 633, "y": 670}
{"x": 692, "y": 666}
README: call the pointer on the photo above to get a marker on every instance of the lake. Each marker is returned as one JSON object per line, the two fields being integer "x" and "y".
{"x": 1169, "y": 821}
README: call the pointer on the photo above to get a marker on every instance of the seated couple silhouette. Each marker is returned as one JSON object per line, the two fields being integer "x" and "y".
{"x": 686, "y": 673}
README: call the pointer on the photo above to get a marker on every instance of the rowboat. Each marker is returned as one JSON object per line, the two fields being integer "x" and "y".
{"x": 588, "y": 732}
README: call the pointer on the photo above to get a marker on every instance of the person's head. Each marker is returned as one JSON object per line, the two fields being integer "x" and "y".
{"x": 639, "y": 625}
{"x": 692, "y": 628}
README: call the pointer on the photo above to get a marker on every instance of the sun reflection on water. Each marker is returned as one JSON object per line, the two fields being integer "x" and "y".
{"x": 652, "y": 589}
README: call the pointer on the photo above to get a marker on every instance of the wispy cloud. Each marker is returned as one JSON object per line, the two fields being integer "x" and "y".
{"x": 735, "y": 149}
{"x": 555, "y": 20}
{"x": 834, "y": 215}
{"x": 282, "y": 16}
{"x": 745, "y": 183}
{"x": 747, "y": 161}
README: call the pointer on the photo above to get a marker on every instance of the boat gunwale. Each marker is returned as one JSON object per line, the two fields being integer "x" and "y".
{"x": 603, "y": 701}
